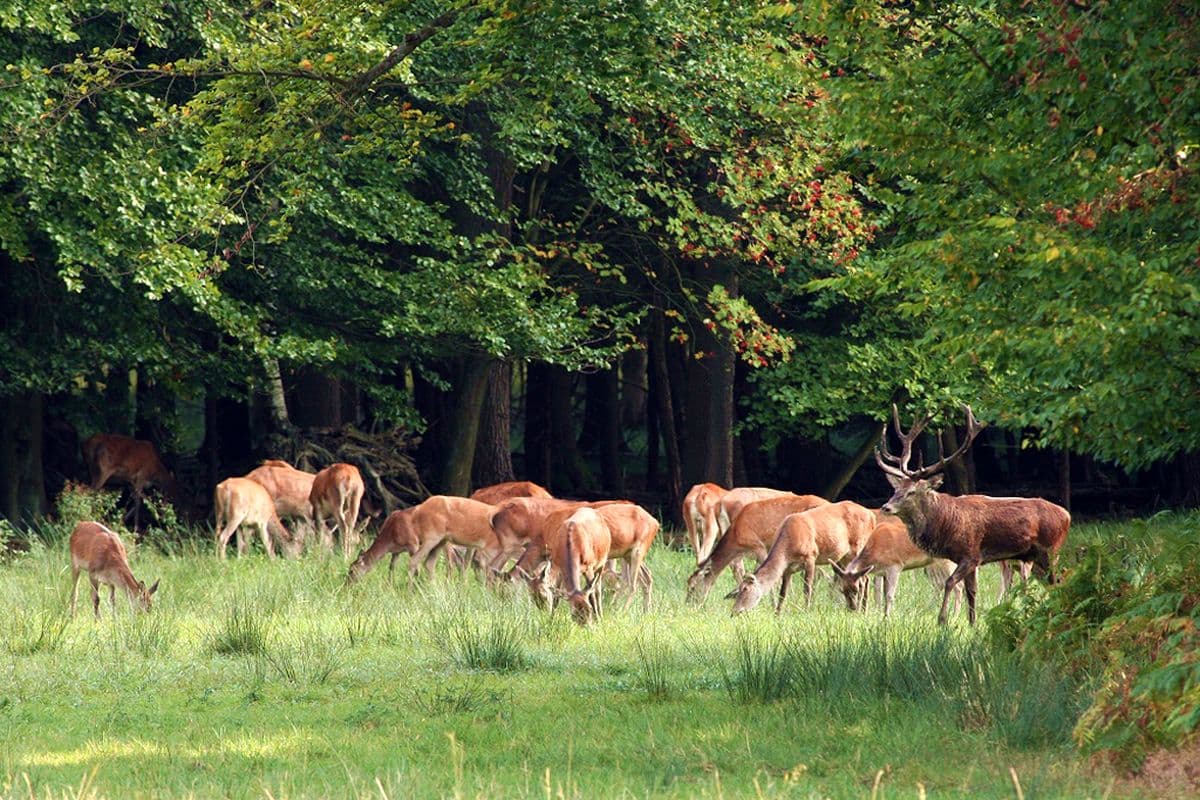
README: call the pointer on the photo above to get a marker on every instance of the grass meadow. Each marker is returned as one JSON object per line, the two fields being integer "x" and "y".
{"x": 267, "y": 679}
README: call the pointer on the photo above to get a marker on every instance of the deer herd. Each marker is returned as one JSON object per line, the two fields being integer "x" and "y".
{"x": 566, "y": 550}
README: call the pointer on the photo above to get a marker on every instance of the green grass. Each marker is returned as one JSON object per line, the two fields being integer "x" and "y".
{"x": 269, "y": 679}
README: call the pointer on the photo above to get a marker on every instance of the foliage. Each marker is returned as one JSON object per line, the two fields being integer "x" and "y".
{"x": 1038, "y": 207}
{"x": 1124, "y": 623}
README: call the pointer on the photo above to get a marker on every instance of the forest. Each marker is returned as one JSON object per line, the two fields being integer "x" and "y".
{"x": 618, "y": 248}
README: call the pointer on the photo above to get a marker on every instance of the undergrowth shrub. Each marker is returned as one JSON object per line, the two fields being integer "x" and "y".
{"x": 1123, "y": 624}
{"x": 78, "y": 502}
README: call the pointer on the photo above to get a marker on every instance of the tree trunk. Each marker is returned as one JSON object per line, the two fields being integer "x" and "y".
{"x": 314, "y": 400}
{"x": 664, "y": 411}
{"x": 601, "y": 431}
{"x": 718, "y": 465}
{"x": 568, "y": 465}
{"x": 956, "y": 470}
{"x": 1064, "y": 480}
{"x": 493, "y": 450}
{"x": 22, "y": 486}
{"x": 538, "y": 442}
{"x": 848, "y": 471}
{"x": 633, "y": 388}
{"x": 463, "y": 430}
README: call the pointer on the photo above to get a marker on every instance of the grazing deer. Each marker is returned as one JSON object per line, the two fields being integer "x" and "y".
{"x": 579, "y": 551}
{"x": 101, "y": 553}
{"x": 423, "y": 530}
{"x": 241, "y": 501}
{"x": 701, "y": 509}
{"x": 751, "y": 534}
{"x": 520, "y": 523}
{"x": 973, "y": 529}
{"x": 337, "y": 491}
{"x": 827, "y": 534}
{"x": 135, "y": 462}
{"x": 632, "y": 530}
{"x": 735, "y": 500}
{"x": 888, "y": 552}
{"x": 396, "y": 536}
{"x": 289, "y": 488}
{"x": 499, "y": 492}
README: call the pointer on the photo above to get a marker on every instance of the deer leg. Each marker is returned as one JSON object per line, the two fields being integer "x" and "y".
{"x": 112, "y": 598}
{"x": 720, "y": 559}
{"x": 647, "y": 586}
{"x": 969, "y": 583}
{"x": 739, "y": 569}
{"x": 266, "y": 540}
{"x": 223, "y": 537}
{"x": 74, "y": 588}
{"x": 784, "y": 584}
{"x": 95, "y": 595}
{"x": 964, "y": 567}
{"x": 891, "y": 579}
{"x": 810, "y": 578}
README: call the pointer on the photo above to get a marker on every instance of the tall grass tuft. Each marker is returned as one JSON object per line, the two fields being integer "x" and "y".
{"x": 149, "y": 635}
{"x": 304, "y": 659}
{"x": 32, "y": 632}
{"x": 762, "y": 670}
{"x": 243, "y": 632}
{"x": 496, "y": 643}
{"x": 654, "y": 673}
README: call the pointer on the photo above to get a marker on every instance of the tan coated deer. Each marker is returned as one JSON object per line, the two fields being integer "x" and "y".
{"x": 579, "y": 551}
{"x": 888, "y": 552}
{"x": 973, "y": 529}
{"x": 499, "y": 492}
{"x": 337, "y": 491}
{"x": 520, "y": 525}
{"x": 242, "y": 502}
{"x": 289, "y": 488}
{"x": 735, "y": 500}
{"x": 701, "y": 509}
{"x": 831, "y": 533}
{"x": 751, "y": 534}
{"x": 424, "y": 530}
{"x": 101, "y": 553}
{"x": 134, "y": 462}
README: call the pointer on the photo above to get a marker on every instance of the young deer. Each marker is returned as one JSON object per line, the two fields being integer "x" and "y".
{"x": 701, "y": 509}
{"x": 579, "y": 551}
{"x": 100, "y": 552}
{"x": 289, "y": 488}
{"x": 751, "y": 534}
{"x": 888, "y": 552}
{"x": 135, "y": 462}
{"x": 241, "y": 501}
{"x": 499, "y": 492}
{"x": 337, "y": 491}
{"x": 733, "y": 502}
{"x": 827, "y": 534}
{"x": 973, "y": 529}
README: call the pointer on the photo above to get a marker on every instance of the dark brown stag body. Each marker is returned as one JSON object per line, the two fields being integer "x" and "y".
{"x": 973, "y": 529}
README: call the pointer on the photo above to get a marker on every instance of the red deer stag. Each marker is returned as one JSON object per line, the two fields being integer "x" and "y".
{"x": 499, "y": 492}
{"x": 100, "y": 552}
{"x": 135, "y": 462}
{"x": 337, "y": 491}
{"x": 827, "y": 534}
{"x": 241, "y": 501}
{"x": 972, "y": 529}
{"x": 751, "y": 534}
{"x": 289, "y": 488}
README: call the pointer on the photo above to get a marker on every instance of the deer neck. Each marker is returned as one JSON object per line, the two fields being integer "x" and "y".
{"x": 128, "y": 582}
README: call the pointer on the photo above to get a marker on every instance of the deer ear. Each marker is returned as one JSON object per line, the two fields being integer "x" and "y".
{"x": 935, "y": 481}
{"x": 733, "y": 595}
{"x": 543, "y": 572}
{"x": 866, "y": 571}
{"x": 837, "y": 569}
{"x": 894, "y": 480}
{"x": 153, "y": 588}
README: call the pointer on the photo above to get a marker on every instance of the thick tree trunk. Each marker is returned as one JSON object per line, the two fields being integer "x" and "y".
{"x": 22, "y": 486}
{"x": 538, "y": 442}
{"x": 493, "y": 451}
{"x": 718, "y": 465}
{"x": 569, "y": 469}
{"x": 664, "y": 411}
{"x": 463, "y": 430}
{"x": 314, "y": 400}
{"x": 633, "y": 388}
{"x": 601, "y": 431}
{"x": 1064, "y": 480}
{"x": 848, "y": 471}
{"x": 956, "y": 470}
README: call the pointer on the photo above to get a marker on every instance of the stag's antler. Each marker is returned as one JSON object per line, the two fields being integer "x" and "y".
{"x": 899, "y": 465}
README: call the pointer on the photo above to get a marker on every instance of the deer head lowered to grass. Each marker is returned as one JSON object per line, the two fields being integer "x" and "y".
{"x": 973, "y": 529}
